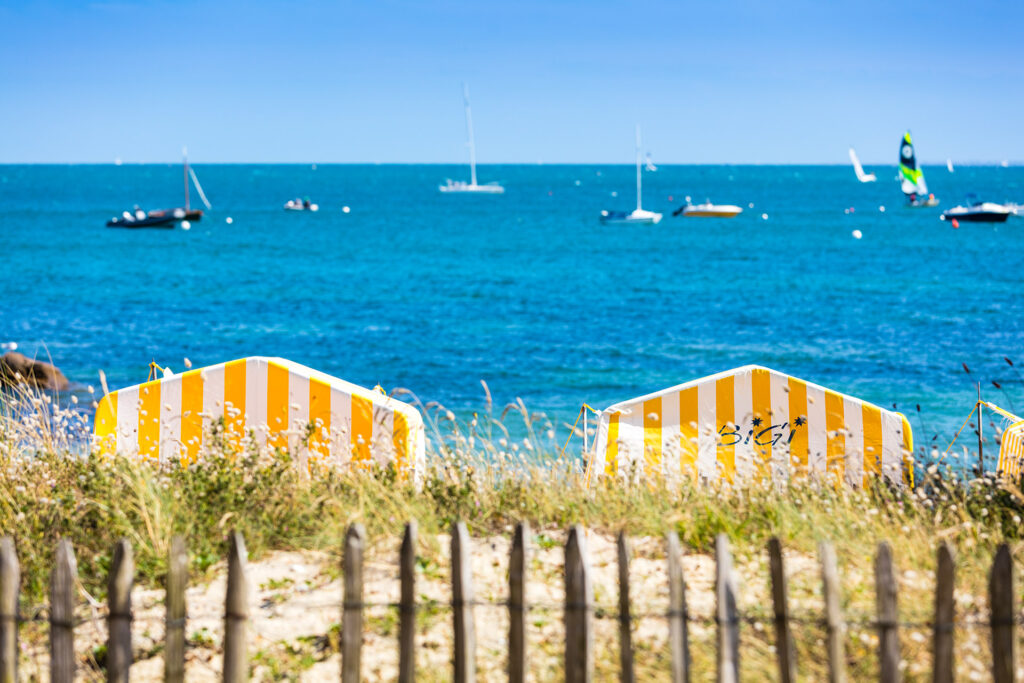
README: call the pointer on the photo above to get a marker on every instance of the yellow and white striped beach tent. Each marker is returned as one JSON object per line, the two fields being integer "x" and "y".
{"x": 752, "y": 422}
{"x": 1011, "y": 443}
{"x": 281, "y": 403}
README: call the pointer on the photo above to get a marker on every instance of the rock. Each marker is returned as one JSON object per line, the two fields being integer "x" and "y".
{"x": 17, "y": 368}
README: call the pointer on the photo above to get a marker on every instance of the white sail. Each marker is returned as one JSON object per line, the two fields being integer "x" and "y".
{"x": 949, "y": 165}
{"x": 471, "y": 186}
{"x": 469, "y": 131}
{"x": 199, "y": 188}
{"x": 859, "y": 170}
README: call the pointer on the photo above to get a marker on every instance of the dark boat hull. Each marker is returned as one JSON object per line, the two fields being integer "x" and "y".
{"x": 978, "y": 217}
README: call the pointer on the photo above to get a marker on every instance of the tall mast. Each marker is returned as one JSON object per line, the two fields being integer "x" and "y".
{"x": 638, "y": 167}
{"x": 469, "y": 129}
{"x": 184, "y": 153}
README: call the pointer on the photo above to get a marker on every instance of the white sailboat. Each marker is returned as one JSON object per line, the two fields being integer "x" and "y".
{"x": 649, "y": 165}
{"x": 949, "y": 164}
{"x": 859, "y": 170}
{"x": 472, "y": 186}
{"x": 639, "y": 215}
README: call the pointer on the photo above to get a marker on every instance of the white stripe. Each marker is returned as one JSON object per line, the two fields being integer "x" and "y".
{"x": 892, "y": 446}
{"x": 707, "y": 438}
{"x": 743, "y": 409}
{"x": 170, "y": 420}
{"x": 382, "y": 445}
{"x": 817, "y": 434}
{"x": 213, "y": 395}
{"x": 631, "y": 440}
{"x": 854, "y": 423}
{"x": 781, "y": 466}
{"x": 670, "y": 451}
{"x": 128, "y": 421}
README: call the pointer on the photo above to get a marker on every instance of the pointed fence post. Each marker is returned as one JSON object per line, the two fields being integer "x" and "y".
{"x": 119, "y": 616}
{"x": 517, "y": 566}
{"x": 462, "y": 606}
{"x": 579, "y": 605}
{"x": 10, "y": 584}
{"x": 177, "y": 580}
{"x": 352, "y": 608}
{"x": 888, "y": 616}
{"x": 62, "y": 614}
{"x": 678, "y": 628}
{"x": 942, "y": 629}
{"x": 780, "y": 602}
{"x": 726, "y": 613}
{"x": 407, "y": 605}
{"x": 1003, "y": 610}
{"x": 835, "y": 628}
{"x": 236, "y": 612}
{"x": 627, "y": 673}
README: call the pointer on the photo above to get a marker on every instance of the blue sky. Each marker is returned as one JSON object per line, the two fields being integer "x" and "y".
{"x": 380, "y": 81}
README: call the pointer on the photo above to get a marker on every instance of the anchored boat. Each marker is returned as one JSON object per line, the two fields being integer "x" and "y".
{"x": 472, "y": 186}
{"x": 707, "y": 210}
{"x": 978, "y": 211}
{"x": 638, "y": 216}
{"x": 165, "y": 218}
{"x": 859, "y": 170}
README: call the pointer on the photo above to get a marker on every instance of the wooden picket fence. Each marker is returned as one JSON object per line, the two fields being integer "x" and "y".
{"x": 579, "y": 612}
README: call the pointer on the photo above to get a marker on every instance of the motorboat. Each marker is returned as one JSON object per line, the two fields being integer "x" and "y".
{"x": 708, "y": 210}
{"x": 859, "y": 170}
{"x": 162, "y": 218}
{"x": 301, "y": 205}
{"x": 638, "y": 216}
{"x": 978, "y": 212}
{"x": 454, "y": 186}
{"x": 911, "y": 177}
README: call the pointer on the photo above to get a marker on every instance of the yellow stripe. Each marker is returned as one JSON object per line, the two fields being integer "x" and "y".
{"x": 797, "y": 426}
{"x": 191, "y": 414}
{"x": 872, "y": 441}
{"x": 277, "y": 406}
{"x": 835, "y": 427}
{"x": 761, "y": 394}
{"x": 149, "y": 419}
{"x": 362, "y": 427}
{"x": 319, "y": 417}
{"x": 908, "y": 451}
{"x": 400, "y": 440}
{"x": 611, "y": 450}
{"x": 725, "y": 409}
{"x": 234, "y": 401}
{"x": 652, "y": 437}
{"x": 688, "y": 431}
{"x": 105, "y": 425}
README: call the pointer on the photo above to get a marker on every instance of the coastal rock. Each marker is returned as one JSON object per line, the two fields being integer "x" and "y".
{"x": 17, "y": 368}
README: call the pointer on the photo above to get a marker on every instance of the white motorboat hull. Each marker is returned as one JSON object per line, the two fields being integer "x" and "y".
{"x": 986, "y": 212}
{"x": 468, "y": 187}
{"x": 712, "y": 211}
{"x": 638, "y": 217}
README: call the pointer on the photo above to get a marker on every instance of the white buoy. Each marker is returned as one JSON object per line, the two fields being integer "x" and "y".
{"x": 750, "y": 205}
{"x": 229, "y": 220}
{"x": 857, "y": 234}
{"x": 314, "y": 207}
{"x": 185, "y": 225}
{"x": 345, "y": 209}
{"x": 882, "y": 209}
{"x": 614, "y": 193}
{"x": 764, "y": 216}
{"x": 577, "y": 183}
{"x": 9, "y": 346}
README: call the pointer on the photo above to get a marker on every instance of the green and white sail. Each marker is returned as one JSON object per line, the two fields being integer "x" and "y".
{"x": 911, "y": 177}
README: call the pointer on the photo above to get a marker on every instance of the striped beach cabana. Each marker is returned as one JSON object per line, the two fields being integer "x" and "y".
{"x": 273, "y": 401}
{"x": 752, "y": 422}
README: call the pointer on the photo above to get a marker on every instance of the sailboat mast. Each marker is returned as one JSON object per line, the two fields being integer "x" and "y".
{"x": 638, "y": 183}
{"x": 184, "y": 153}
{"x": 469, "y": 129}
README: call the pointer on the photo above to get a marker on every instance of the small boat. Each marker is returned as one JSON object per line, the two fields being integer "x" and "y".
{"x": 161, "y": 218}
{"x": 450, "y": 185}
{"x": 949, "y": 164}
{"x": 978, "y": 212}
{"x": 649, "y": 165}
{"x": 638, "y": 216}
{"x": 708, "y": 210}
{"x": 859, "y": 170}
{"x": 300, "y": 205}
{"x": 911, "y": 177}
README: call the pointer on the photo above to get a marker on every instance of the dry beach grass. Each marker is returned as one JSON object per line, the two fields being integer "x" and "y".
{"x": 293, "y": 524}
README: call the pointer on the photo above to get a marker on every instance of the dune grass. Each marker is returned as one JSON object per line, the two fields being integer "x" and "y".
{"x": 54, "y": 488}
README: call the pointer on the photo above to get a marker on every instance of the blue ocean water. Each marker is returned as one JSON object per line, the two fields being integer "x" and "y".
{"x": 528, "y": 291}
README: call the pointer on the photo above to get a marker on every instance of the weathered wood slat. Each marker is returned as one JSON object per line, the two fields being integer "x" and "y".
{"x": 888, "y": 616}
{"x": 236, "y": 612}
{"x": 678, "y": 628}
{"x": 780, "y": 602}
{"x": 727, "y": 613}
{"x": 835, "y": 627}
{"x": 942, "y": 627}
{"x": 407, "y": 605}
{"x": 463, "y": 598}
{"x": 119, "y": 614}
{"x": 517, "y": 566}
{"x": 10, "y": 585}
{"x": 352, "y": 607}
{"x": 177, "y": 581}
{"x": 62, "y": 614}
{"x": 627, "y": 672}
{"x": 1002, "y": 606}
{"x": 579, "y": 605}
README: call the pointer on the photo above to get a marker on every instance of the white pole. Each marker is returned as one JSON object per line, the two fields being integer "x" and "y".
{"x": 469, "y": 128}
{"x": 585, "y": 449}
{"x": 638, "y": 185}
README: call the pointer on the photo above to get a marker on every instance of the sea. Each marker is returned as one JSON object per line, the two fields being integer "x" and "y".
{"x": 393, "y": 283}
